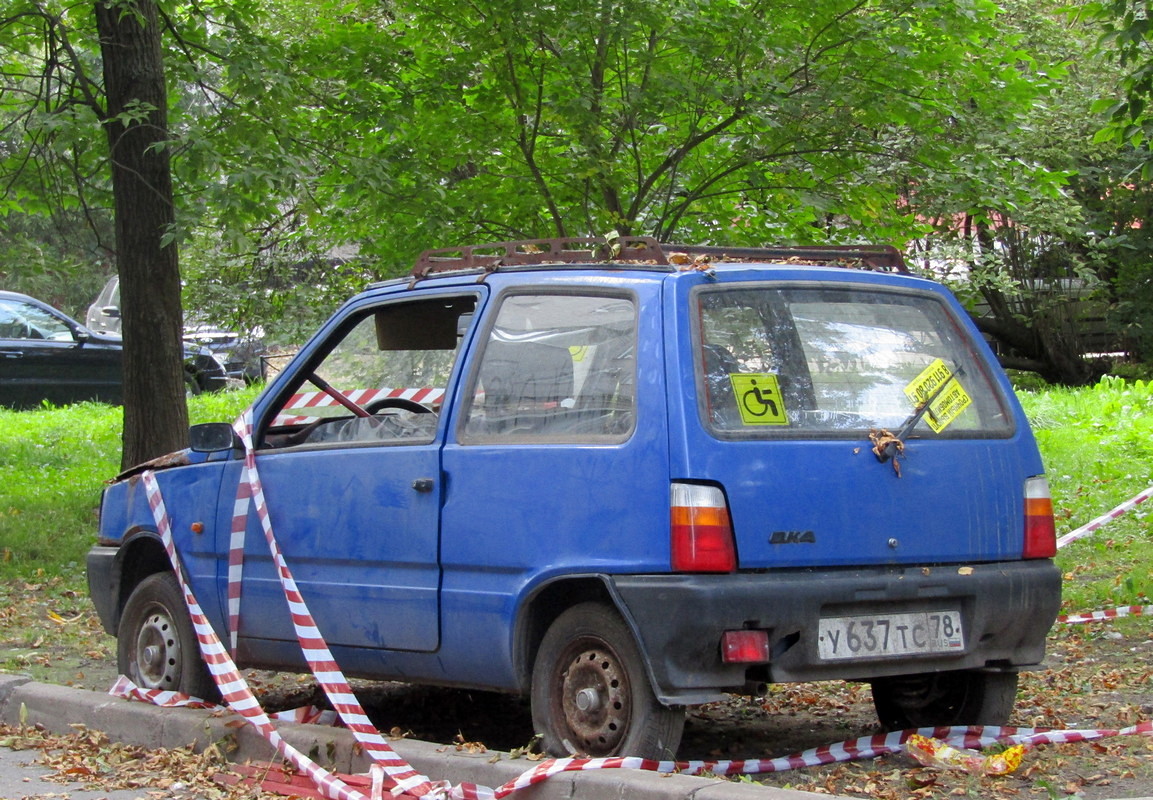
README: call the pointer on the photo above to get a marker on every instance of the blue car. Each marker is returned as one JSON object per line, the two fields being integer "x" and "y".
{"x": 620, "y": 483}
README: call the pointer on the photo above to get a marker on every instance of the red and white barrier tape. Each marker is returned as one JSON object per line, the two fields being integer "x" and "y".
{"x": 232, "y": 686}
{"x": 865, "y": 747}
{"x": 1093, "y": 525}
{"x": 1111, "y": 613}
{"x": 300, "y": 403}
{"x": 124, "y": 687}
{"x": 158, "y": 697}
{"x": 854, "y": 749}
{"x": 315, "y": 649}
{"x": 390, "y": 770}
{"x": 862, "y": 748}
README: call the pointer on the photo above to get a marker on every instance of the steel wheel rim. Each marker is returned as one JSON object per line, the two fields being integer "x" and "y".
{"x": 594, "y": 698}
{"x": 157, "y": 652}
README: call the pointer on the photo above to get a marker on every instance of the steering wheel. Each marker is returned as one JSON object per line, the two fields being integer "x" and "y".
{"x": 396, "y": 402}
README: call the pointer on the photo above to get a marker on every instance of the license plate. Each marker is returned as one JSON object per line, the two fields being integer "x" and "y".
{"x": 875, "y": 636}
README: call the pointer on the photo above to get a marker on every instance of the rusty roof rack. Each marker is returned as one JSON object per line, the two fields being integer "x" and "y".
{"x": 873, "y": 257}
{"x": 567, "y": 250}
{"x": 645, "y": 250}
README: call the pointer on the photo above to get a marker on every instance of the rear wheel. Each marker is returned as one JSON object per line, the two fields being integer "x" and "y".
{"x": 964, "y": 697}
{"x": 591, "y": 694}
{"x": 156, "y": 644}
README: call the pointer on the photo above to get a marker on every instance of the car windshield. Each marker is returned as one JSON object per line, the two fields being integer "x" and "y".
{"x": 829, "y": 361}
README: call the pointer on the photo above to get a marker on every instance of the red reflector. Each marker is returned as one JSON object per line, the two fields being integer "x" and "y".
{"x": 1040, "y": 530}
{"x": 745, "y": 647}
{"x": 701, "y": 533}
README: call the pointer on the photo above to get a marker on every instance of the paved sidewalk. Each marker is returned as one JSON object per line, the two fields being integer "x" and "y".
{"x": 20, "y": 778}
{"x": 58, "y": 707}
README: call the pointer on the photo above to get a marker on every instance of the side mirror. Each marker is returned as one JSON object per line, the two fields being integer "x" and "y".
{"x": 212, "y": 437}
{"x": 111, "y": 311}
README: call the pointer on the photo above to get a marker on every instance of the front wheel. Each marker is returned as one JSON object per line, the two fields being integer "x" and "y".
{"x": 156, "y": 644}
{"x": 591, "y": 694}
{"x": 963, "y": 697}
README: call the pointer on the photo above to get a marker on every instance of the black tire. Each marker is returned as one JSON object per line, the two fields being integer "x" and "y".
{"x": 591, "y": 694}
{"x": 965, "y": 697}
{"x": 156, "y": 644}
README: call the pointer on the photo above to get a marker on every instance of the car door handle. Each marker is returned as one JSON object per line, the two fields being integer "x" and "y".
{"x": 423, "y": 485}
{"x": 12, "y": 353}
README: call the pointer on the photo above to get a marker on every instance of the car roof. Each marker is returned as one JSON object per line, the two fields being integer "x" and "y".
{"x": 9, "y": 295}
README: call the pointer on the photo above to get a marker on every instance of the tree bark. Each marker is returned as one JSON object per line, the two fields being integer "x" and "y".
{"x": 155, "y": 411}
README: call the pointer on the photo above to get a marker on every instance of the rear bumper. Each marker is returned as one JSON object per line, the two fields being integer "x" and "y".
{"x": 1007, "y": 610}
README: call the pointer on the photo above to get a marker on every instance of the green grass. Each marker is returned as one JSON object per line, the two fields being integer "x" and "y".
{"x": 1097, "y": 444}
{"x": 54, "y": 463}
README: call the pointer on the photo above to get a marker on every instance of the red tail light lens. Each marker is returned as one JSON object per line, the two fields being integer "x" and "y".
{"x": 702, "y": 534}
{"x": 1040, "y": 531}
{"x": 745, "y": 647}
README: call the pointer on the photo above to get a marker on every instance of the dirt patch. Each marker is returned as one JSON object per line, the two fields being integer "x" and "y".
{"x": 1095, "y": 677}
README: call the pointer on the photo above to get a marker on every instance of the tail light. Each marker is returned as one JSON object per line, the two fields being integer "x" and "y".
{"x": 1040, "y": 531}
{"x": 702, "y": 535}
{"x": 745, "y": 647}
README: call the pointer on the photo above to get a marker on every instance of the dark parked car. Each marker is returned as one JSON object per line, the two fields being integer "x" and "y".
{"x": 47, "y": 355}
{"x": 238, "y": 353}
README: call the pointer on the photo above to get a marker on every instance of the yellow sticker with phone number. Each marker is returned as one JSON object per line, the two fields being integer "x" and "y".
{"x": 949, "y": 401}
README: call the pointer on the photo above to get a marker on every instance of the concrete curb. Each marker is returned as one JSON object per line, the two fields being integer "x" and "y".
{"x": 58, "y": 708}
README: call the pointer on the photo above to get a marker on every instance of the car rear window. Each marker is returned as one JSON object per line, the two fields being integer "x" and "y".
{"x": 831, "y": 361}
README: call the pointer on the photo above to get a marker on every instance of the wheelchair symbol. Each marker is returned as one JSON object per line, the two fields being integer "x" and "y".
{"x": 759, "y": 402}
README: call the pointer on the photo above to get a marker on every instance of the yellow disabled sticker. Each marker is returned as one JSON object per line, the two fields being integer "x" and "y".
{"x": 759, "y": 398}
{"x": 947, "y": 405}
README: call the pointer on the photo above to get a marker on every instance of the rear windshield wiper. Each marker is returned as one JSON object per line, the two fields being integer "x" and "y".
{"x": 888, "y": 446}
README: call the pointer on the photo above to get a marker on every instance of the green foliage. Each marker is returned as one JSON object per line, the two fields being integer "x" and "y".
{"x": 318, "y": 126}
{"x": 724, "y": 122}
{"x": 1125, "y": 33}
{"x": 69, "y": 285}
{"x": 55, "y": 462}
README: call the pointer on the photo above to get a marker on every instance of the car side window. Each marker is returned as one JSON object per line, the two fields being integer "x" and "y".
{"x": 23, "y": 321}
{"x": 382, "y": 380}
{"x": 556, "y": 368}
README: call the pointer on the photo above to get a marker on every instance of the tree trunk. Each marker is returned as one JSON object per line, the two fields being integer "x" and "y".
{"x": 155, "y": 412}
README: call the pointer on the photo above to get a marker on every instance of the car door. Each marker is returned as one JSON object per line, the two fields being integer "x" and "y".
{"x": 349, "y": 460}
{"x": 45, "y": 356}
{"x": 559, "y": 464}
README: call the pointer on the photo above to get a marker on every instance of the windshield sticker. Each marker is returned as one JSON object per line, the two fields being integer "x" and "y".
{"x": 946, "y": 402}
{"x": 759, "y": 398}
